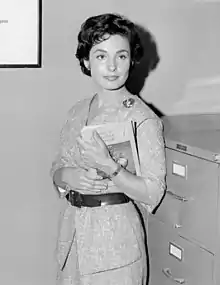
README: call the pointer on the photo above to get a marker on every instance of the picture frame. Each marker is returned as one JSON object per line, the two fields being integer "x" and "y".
{"x": 20, "y": 33}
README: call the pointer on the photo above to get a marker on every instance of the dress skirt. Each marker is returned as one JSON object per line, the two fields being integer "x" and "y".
{"x": 102, "y": 246}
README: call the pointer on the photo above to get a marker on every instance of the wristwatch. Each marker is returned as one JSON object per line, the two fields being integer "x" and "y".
{"x": 115, "y": 173}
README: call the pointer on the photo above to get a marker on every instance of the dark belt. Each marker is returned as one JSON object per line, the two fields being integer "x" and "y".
{"x": 85, "y": 200}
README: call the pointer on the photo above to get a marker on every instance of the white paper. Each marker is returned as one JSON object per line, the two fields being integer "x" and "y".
{"x": 19, "y": 29}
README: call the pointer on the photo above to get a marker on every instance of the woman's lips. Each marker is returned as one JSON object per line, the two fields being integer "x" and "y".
{"x": 111, "y": 78}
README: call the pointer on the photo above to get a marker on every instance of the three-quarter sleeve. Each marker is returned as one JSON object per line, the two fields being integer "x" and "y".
{"x": 64, "y": 155}
{"x": 152, "y": 159}
{"x": 68, "y": 152}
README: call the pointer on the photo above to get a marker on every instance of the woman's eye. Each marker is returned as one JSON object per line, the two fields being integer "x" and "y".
{"x": 100, "y": 56}
{"x": 122, "y": 56}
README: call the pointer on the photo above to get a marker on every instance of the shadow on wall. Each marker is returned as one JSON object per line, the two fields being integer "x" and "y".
{"x": 135, "y": 84}
{"x": 147, "y": 64}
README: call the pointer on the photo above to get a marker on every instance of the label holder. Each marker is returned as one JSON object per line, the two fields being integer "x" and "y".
{"x": 176, "y": 251}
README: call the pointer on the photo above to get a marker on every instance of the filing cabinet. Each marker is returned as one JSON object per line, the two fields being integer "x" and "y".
{"x": 184, "y": 231}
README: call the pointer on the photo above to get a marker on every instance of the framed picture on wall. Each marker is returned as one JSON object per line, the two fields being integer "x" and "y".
{"x": 20, "y": 33}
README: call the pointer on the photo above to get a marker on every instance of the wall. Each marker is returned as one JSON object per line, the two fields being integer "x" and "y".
{"x": 33, "y": 104}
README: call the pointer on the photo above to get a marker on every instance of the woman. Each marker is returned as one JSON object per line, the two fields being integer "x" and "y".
{"x": 103, "y": 243}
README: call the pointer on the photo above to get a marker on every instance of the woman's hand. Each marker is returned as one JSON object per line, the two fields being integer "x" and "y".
{"x": 95, "y": 154}
{"x": 84, "y": 181}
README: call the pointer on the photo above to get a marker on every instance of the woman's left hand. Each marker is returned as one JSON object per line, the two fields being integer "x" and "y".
{"x": 95, "y": 154}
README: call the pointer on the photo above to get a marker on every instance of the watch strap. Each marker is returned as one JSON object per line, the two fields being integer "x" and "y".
{"x": 115, "y": 173}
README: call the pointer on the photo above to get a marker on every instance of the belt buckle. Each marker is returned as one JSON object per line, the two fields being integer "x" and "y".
{"x": 76, "y": 199}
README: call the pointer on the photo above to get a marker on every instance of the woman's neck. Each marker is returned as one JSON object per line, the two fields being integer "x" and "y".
{"x": 111, "y": 97}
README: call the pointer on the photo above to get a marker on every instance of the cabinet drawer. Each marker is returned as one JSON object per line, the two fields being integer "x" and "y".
{"x": 174, "y": 260}
{"x": 190, "y": 204}
{"x": 187, "y": 173}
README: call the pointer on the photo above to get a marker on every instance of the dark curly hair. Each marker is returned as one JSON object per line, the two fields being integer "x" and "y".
{"x": 94, "y": 30}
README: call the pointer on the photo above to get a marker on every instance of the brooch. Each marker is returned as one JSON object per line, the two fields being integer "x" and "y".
{"x": 128, "y": 103}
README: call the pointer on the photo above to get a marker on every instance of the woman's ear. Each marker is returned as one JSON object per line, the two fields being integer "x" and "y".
{"x": 87, "y": 64}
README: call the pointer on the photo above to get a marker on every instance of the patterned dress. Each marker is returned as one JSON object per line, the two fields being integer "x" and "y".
{"x": 106, "y": 245}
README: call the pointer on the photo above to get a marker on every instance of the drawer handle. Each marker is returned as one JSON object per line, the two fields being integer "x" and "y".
{"x": 180, "y": 198}
{"x": 177, "y": 226}
{"x": 168, "y": 274}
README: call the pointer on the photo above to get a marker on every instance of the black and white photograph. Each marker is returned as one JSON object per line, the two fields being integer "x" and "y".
{"x": 110, "y": 142}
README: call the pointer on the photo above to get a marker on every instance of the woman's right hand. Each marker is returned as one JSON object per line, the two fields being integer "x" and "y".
{"x": 84, "y": 181}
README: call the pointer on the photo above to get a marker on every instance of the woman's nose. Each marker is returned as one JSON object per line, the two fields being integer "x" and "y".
{"x": 112, "y": 65}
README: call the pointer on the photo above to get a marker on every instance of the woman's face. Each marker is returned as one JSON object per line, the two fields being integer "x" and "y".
{"x": 109, "y": 62}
